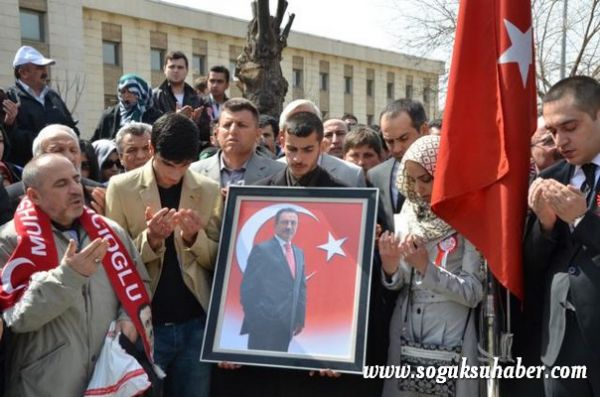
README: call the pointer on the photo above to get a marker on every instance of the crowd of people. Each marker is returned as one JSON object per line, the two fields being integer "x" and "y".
{"x": 154, "y": 177}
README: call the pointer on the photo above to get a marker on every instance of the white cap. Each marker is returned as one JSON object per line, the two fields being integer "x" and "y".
{"x": 28, "y": 54}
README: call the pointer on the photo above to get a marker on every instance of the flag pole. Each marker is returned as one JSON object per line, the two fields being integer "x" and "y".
{"x": 490, "y": 350}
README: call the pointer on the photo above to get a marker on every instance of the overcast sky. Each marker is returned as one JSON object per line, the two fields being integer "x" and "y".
{"x": 356, "y": 21}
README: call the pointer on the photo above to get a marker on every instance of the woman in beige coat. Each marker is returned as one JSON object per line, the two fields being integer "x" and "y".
{"x": 436, "y": 266}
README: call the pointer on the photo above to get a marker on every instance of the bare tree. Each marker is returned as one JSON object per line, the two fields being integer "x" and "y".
{"x": 431, "y": 24}
{"x": 70, "y": 88}
{"x": 258, "y": 67}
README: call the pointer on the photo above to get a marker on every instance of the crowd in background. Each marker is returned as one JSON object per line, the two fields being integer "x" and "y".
{"x": 158, "y": 167}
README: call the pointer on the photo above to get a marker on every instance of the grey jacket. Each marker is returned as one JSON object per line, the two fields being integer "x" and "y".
{"x": 440, "y": 303}
{"x": 257, "y": 168}
{"x": 60, "y": 322}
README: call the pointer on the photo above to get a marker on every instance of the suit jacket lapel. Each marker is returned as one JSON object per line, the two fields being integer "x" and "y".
{"x": 391, "y": 182}
{"x": 213, "y": 168}
{"x": 149, "y": 191}
{"x": 254, "y": 170}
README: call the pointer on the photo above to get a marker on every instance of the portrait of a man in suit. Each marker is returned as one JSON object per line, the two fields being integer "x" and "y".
{"x": 273, "y": 289}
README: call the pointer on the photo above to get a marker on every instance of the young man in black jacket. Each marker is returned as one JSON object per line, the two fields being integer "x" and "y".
{"x": 175, "y": 95}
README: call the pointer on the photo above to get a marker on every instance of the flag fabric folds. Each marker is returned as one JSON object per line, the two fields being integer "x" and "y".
{"x": 481, "y": 180}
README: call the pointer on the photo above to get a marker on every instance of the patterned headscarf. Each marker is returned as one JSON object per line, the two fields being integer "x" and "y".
{"x": 422, "y": 221}
{"x": 137, "y": 86}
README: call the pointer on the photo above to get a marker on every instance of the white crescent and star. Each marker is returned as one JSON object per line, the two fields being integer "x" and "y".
{"x": 333, "y": 246}
{"x": 520, "y": 50}
{"x": 7, "y": 272}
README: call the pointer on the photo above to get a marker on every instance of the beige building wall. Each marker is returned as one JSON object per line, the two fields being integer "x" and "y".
{"x": 74, "y": 39}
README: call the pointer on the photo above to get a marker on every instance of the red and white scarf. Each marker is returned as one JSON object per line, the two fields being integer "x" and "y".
{"x": 36, "y": 252}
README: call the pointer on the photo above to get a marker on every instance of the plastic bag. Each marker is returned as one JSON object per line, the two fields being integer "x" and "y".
{"x": 117, "y": 374}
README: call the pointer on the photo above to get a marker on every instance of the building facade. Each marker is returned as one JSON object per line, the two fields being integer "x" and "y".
{"x": 94, "y": 42}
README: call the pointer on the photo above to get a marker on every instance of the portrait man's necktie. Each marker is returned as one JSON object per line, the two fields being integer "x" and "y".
{"x": 289, "y": 255}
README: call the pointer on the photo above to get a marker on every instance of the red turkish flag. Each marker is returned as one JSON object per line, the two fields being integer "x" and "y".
{"x": 481, "y": 180}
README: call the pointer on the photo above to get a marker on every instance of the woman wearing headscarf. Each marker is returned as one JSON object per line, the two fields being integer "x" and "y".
{"x": 108, "y": 159}
{"x": 135, "y": 104}
{"x": 437, "y": 271}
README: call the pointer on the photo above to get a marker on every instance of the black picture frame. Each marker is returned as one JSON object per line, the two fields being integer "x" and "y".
{"x": 336, "y": 288}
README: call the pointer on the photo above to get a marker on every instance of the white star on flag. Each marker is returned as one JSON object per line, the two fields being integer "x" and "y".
{"x": 519, "y": 51}
{"x": 333, "y": 246}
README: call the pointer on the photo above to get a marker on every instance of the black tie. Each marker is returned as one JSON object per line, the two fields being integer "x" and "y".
{"x": 587, "y": 187}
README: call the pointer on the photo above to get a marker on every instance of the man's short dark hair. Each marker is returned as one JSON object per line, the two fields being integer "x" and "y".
{"x": 585, "y": 91}
{"x": 349, "y": 116}
{"x": 221, "y": 69}
{"x": 265, "y": 120}
{"x": 362, "y": 135}
{"x": 175, "y": 137}
{"x": 413, "y": 108}
{"x": 238, "y": 104}
{"x": 282, "y": 211}
{"x": 303, "y": 124}
{"x": 176, "y": 55}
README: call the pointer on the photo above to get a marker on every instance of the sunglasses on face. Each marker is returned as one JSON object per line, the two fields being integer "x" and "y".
{"x": 111, "y": 163}
{"x": 86, "y": 165}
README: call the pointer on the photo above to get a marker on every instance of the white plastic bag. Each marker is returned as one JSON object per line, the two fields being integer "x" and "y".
{"x": 117, "y": 374}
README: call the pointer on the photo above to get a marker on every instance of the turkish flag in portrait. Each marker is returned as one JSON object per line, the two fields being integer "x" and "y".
{"x": 330, "y": 235}
{"x": 481, "y": 179}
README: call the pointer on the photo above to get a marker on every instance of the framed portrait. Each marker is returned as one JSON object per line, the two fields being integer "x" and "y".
{"x": 291, "y": 284}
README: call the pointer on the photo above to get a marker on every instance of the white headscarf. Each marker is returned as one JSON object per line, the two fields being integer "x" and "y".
{"x": 422, "y": 221}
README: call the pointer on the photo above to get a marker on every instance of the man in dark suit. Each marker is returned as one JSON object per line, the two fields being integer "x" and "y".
{"x": 561, "y": 248}
{"x": 402, "y": 122}
{"x": 273, "y": 290}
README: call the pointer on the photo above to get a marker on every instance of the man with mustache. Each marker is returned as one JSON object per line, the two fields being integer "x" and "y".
{"x": 59, "y": 290}
{"x": 39, "y": 105}
{"x": 273, "y": 290}
{"x": 237, "y": 162}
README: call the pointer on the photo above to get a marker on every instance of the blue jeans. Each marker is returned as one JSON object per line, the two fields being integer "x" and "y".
{"x": 177, "y": 351}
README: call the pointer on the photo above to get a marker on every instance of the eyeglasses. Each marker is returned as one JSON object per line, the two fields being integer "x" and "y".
{"x": 111, "y": 163}
{"x": 547, "y": 141}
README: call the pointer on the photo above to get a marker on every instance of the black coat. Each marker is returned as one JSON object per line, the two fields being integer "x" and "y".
{"x": 32, "y": 117}
{"x": 5, "y": 211}
{"x": 318, "y": 178}
{"x": 165, "y": 102}
{"x": 274, "y": 302}
{"x": 575, "y": 255}
{"x": 110, "y": 122}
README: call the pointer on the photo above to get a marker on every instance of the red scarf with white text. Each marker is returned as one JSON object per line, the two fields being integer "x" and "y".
{"x": 36, "y": 252}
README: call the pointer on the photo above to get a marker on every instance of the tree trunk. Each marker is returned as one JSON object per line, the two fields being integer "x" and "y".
{"x": 258, "y": 66}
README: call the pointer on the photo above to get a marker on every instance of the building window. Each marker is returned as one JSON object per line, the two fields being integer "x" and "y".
{"x": 32, "y": 25}
{"x": 297, "y": 78}
{"x": 232, "y": 65}
{"x": 370, "y": 87}
{"x": 199, "y": 64}
{"x": 409, "y": 87}
{"x": 348, "y": 85}
{"x": 390, "y": 90}
{"x": 324, "y": 81}
{"x": 369, "y": 119}
{"x": 110, "y": 53}
{"x": 426, "y": 90}
{"x": 157, "y": 59}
